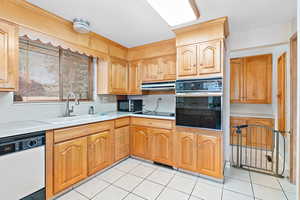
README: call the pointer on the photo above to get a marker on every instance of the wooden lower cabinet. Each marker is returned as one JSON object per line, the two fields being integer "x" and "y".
{"x": 233, "y": 135}
{"x": 200, "y": 151}
{"x": 162, "y": 145}
{"x": 187, "y": 151}
{"x": 122, "y": 142}
{"x": 70, "y": 163}
{"x": 209, "y": 156}
{"x": 87, "y": 149}
{"x": 260, "y": 137}
{"x": 99, "y": 151}
{"x": 255, "y": 136}
{"x": 141, "y": 142}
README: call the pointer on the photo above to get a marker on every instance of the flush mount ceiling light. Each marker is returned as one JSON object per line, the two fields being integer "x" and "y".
{"x": 81, "y": 25}
{"x": 176, "y": 12}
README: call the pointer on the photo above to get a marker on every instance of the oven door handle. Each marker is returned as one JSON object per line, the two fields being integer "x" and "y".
{"x": 199, "y": 94}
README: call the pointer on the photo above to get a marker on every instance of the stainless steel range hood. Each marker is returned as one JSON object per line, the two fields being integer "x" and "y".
{"x": 158, "y": 86}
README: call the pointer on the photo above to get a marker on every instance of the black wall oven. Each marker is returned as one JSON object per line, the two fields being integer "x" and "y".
{"x": 199, "y": 103}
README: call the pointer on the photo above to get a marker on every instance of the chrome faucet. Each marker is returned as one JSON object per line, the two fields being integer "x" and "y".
{"x": 68, "y": 109}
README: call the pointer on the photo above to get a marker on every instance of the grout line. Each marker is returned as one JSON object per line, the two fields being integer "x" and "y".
{"x": 83, "y": 194}
{"x": 165, "y": 186}
{"x": 251, "y": 182}
{"x": 143, "y": 180}
{"x": 282, "y": 189}
{"x": 111, "y": 184}
{"x": 196, "y": 182}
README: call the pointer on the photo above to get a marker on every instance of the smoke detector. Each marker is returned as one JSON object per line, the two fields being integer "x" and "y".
{"x": 81, "y": 25}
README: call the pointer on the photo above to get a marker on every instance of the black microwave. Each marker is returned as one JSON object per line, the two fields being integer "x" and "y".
{"x": 131, "y": 105}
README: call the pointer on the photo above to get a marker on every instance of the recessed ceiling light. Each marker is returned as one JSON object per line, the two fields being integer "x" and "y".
{"x": 175, "y": 12}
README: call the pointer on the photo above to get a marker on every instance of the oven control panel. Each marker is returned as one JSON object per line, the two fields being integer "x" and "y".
{"x": 199, "y": 85}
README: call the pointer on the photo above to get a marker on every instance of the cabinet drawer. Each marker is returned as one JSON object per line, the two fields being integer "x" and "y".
{"x": 100, "y": 126}
{"x": 122, "y": 122}
{"x": 64, "y": 134}
{"x": 156, "y": 123}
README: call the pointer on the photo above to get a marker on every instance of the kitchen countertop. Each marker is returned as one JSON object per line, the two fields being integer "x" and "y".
{"x": 23, "y": 127}
{"x": 256, "y": 115}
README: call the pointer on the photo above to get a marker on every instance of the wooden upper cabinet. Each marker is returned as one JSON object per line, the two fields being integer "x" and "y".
{"x": 167, "y": 68}
{"x": 119, "y": 76}
{"x": 99, "y": 151}
{"x": 209, "y": 58}
{"x": 236, "y": 80}
{"x": 187, "y": 151}
{"x": 200, "y": 49}
{"x": 187, "y": 61}
{"x": 158, "y": 69}
{"x": 162, "y": 145}
{"x": 134, "y": 78}
{"x": 251, "y": 80}
{"x": 258, "y": 79}
{"x": 141, "y": 142}
{"x": 121, "y": 142}
{"x": 150, "y": 70}
{"x": 70, "y": 163}
{"x": 202, "y": 60}
{"x": 209, "y": 156}
{"x": 9, "y": 48}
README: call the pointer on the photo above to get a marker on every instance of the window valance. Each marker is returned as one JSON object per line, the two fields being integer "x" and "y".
{"x": 46, "y": 39}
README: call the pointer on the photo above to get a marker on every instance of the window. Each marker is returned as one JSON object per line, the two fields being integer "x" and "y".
{"x": 48, "y": 73}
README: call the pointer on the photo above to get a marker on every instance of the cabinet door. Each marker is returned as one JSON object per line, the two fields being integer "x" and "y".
{"x": 167, "y": 68}
{"x": 119, "y": 77}
{"x": 162, "y": 145}
{"x": 121, "y": 142}
{"x": 187, "y": 61}
{"x": 236, "y": 80}
{"x": 258, "y": 79}
{"x": 9, "y": 57}
{"x": 70, "y": 163}
{"x": 233, "y": 134}
{"x": 141, "y": 142}
{"x": 187, "y": 153}
{"x": 150, "y": 71}
{"x": 260, "y": 137}
{"x": 281, "y": 92}
{"x": 99, "y": 151}
{"x": 209, "y": 58}
{"x": 134, "y": 78}
{"x": 209, "y": 155}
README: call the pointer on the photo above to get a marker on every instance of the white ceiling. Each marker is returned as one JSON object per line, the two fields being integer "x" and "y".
{"x": 134, "y": 22}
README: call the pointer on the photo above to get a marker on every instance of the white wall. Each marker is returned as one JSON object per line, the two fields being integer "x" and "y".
{"x": 261, "y": 36}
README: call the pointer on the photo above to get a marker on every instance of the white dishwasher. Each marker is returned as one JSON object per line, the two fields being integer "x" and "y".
{"x": 22, "y": 167}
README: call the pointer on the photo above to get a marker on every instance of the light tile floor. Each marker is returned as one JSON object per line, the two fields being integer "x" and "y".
{"x": 137, "y": 180}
